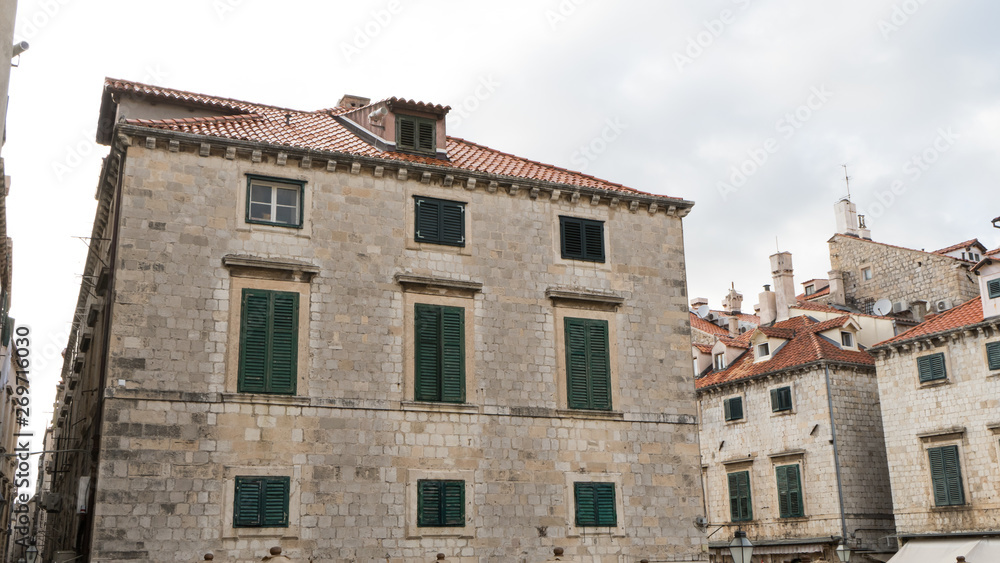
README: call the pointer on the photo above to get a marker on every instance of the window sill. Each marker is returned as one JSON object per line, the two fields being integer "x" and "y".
{"x": 595, "y": 531}
{"x": 291, "y": 230}
{"x": 422, "y": 406}
{"x": 289, "y": 533}
{"x": 793, "y": 519}
{"x": 954, "y": 508}
{"x": 783, "y": 413}
{"x": 735, "y": 422}
{"x": 265, "y": 398}
{"x": 591, "y": 415}
{"x": 933, "y": 383}
{"x": 450, "y": 532}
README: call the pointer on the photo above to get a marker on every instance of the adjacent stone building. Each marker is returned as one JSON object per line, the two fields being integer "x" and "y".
{"x": 940, "y": 388}
{"x": 345, "y": 333}
{"x": 791, "y": 437}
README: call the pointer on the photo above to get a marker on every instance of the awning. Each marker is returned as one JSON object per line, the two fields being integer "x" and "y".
{"x": 786, "y": 549}
{"x": 981, "y": 550}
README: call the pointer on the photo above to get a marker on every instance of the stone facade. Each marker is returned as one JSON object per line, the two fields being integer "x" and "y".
{"x": 899, "y": 274}
{"x": 961, "y": 410}
{"x": 175, "y": 433}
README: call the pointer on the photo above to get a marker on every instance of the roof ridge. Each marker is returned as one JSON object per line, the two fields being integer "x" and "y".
{"x": 109, "y": 81}
{"x": 895, "y": 246}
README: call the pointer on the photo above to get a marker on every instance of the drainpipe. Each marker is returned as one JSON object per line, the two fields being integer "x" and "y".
{"x": 836, "y": 458}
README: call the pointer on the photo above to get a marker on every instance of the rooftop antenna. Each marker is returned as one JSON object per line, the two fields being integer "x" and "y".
{"x": 847, "y": 179}
{"x": 776, "y": 247}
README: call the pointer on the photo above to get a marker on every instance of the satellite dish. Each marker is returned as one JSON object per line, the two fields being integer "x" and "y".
{"x": 703, "y": 311}
{"x": 882, "y": 307}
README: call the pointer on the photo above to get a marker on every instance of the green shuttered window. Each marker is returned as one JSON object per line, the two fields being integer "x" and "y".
{"x": 269, "y": 328}
{"x": 781, "y": 399}
{"x": 931, "y": 368}
{"x": 588, "y": 364}
{"x": 993, "y": 355}
{"x": 789, "y": 491}
{"x": 946, "y": 476}
{"x": 740, "y": 507}
{"x": 595, "y": 504}
{"x": 439, "y": 221}
{"x": 582, "y": 239}
{"x": 440, "y": 504}
{"x": 261, "y": 502}
{"x": 415, "y": 134}
{"x": 733, "y": 408}
{"x": 439, "y": 353}
{"x": 993, "y": 288}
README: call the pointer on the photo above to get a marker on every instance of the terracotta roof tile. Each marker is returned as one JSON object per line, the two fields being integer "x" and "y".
{"x": 814, "y": 295}
{"x": 832, "y": 323}
{"x": 968, "y": 313}
{"x": 320, "y": 130}
{"x": 701, "y": 324}
{"x": 706, "y": 348}
{"x": 961, "y": 246}
{"x": 806, "y": 347}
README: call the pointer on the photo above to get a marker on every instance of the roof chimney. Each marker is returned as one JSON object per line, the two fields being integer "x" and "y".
{"x": 847, "y": 218}
{"x": 351, "y": 101}
{"x": 784, "y": 285}
{"x": 698, "y": 302}
{"x": 732, "y": 302}
{"x": 767, "y": 306}
{"x": 838, "y": 295}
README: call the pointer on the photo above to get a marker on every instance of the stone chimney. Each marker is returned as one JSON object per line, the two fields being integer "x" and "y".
{"x": 698, "y": 302}
{"x": 732, "y": 302}
{"x": 847, "y": 217}
{"x": 767, "y": 306}
{"x": 918, "y": 308}
{"x": 838, "y": 295}
{"x": 784, "y": 284}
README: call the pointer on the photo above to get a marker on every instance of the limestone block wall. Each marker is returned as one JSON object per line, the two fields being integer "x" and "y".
{"x": 900, "y": 274}
{"x": 961, "y": 410}
{"x": 352, "y": 441}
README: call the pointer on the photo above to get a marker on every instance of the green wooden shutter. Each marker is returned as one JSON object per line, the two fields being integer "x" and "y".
{"x": 782, "y": 477}
{"x": 427, "y": 358}
{"x": 8, "y": 330}
{"x": 775, "y": 401}
{"x": 931, "y": 367}
{"x": 993, "y": 288}
{"x": 740, "y": 506}
{"x": 453, "y": 503}
{"x": 946, "y": 476}
{"x": 246, "y": 512}
{"x": 452, "y": 355}
{"x": 938, "y": 479}
{"x": 425, "y": 136}
{"x": 572, "y": 237}
{"x": 284, "y": 342}
{"x": 599, "y": 364}
{"x": 254, "y": 341}
{"x": 734, "y": 408}
{"x": 275, "y": 502}
{"x": 452, "y": 230}
{"x": 794, "y": 491}
{"x": 593, "y": 237}
{"x": 604, "y": 495}
{"x": 734, "y": 497}
{"x": 727, "y": 408}
{"x": 428, "y": 220}
{"x": 429, "y": 495}
{"x": 586, "y": 504}
{"x": 576, "y": 363}
{"x": 993, "y": 355}
{"x": 406, "y": 132}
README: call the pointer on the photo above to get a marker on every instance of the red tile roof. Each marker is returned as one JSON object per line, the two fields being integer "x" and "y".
{"x": 319, "y": 130}
{"x": 701, "y": 324}
{"x": 968, "y": 313}
{"x": 805, "y": 347}
{"x": 706, "y": 348}
{"x": 961, "y": 246}
{"x": 818, "y": 293}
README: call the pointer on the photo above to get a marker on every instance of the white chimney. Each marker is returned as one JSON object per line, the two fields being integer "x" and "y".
{"x": 767, "y": 306}
{"x": 838, "y": 295}
{"x": 847, "y": 218}
{"x": 732, "y": 302}
{"x": 784, "y": 284}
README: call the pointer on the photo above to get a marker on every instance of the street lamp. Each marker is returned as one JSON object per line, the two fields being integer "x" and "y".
{"x": 32, "y": 553}
{"x": 843, "y": 552}
{"x": 740, "y": 548}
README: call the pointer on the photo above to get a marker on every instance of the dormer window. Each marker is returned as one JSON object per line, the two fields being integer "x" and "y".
{"x": 720, "y": 361}
{"x": 810, "y": 289}
{"x": 415, "y": 134}
{"x": 763, "y": 350}
{"x": 846, "y": 339}
{"x": 993, "y": 287}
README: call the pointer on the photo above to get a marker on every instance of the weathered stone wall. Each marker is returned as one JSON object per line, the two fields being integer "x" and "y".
{"x": 961, "y": 410}
{"x": 900, "y": 274}
{"x": 177, "y": 432}
{"x": 763, "y": 440}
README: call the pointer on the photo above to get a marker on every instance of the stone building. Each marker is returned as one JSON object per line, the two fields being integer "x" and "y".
{"x": 915, "y": 282}
{"x": 940, "y": 388}
{"x": 791, "y": 436}
{"x": 344, "y": 333}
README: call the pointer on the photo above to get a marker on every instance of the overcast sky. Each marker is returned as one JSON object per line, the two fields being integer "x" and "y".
{"x": 750, "y": 108}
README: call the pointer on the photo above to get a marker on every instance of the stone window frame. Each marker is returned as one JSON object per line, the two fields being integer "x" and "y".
{"x": 791, "y": 398}
{"x": 446, "y": 293}
{"x": 414, "y": 476}
{"x": 304, "y": 229}
{"x": 574, "y": 531}
{"x": 589, "y": 213}
{"x": 866, "y": 274}
{"x": 743, "y": 418}
{"x": 275, "y": 184}
{"x": 561, "y": 311}
{"x": 237, "y": 283}
{"x": 986, "y": 357}
{"x": 943, "y": 438}
{"x": 789, "y": 458}
{"x": 231, "y": 472}
{"x": 411, "y": 194}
